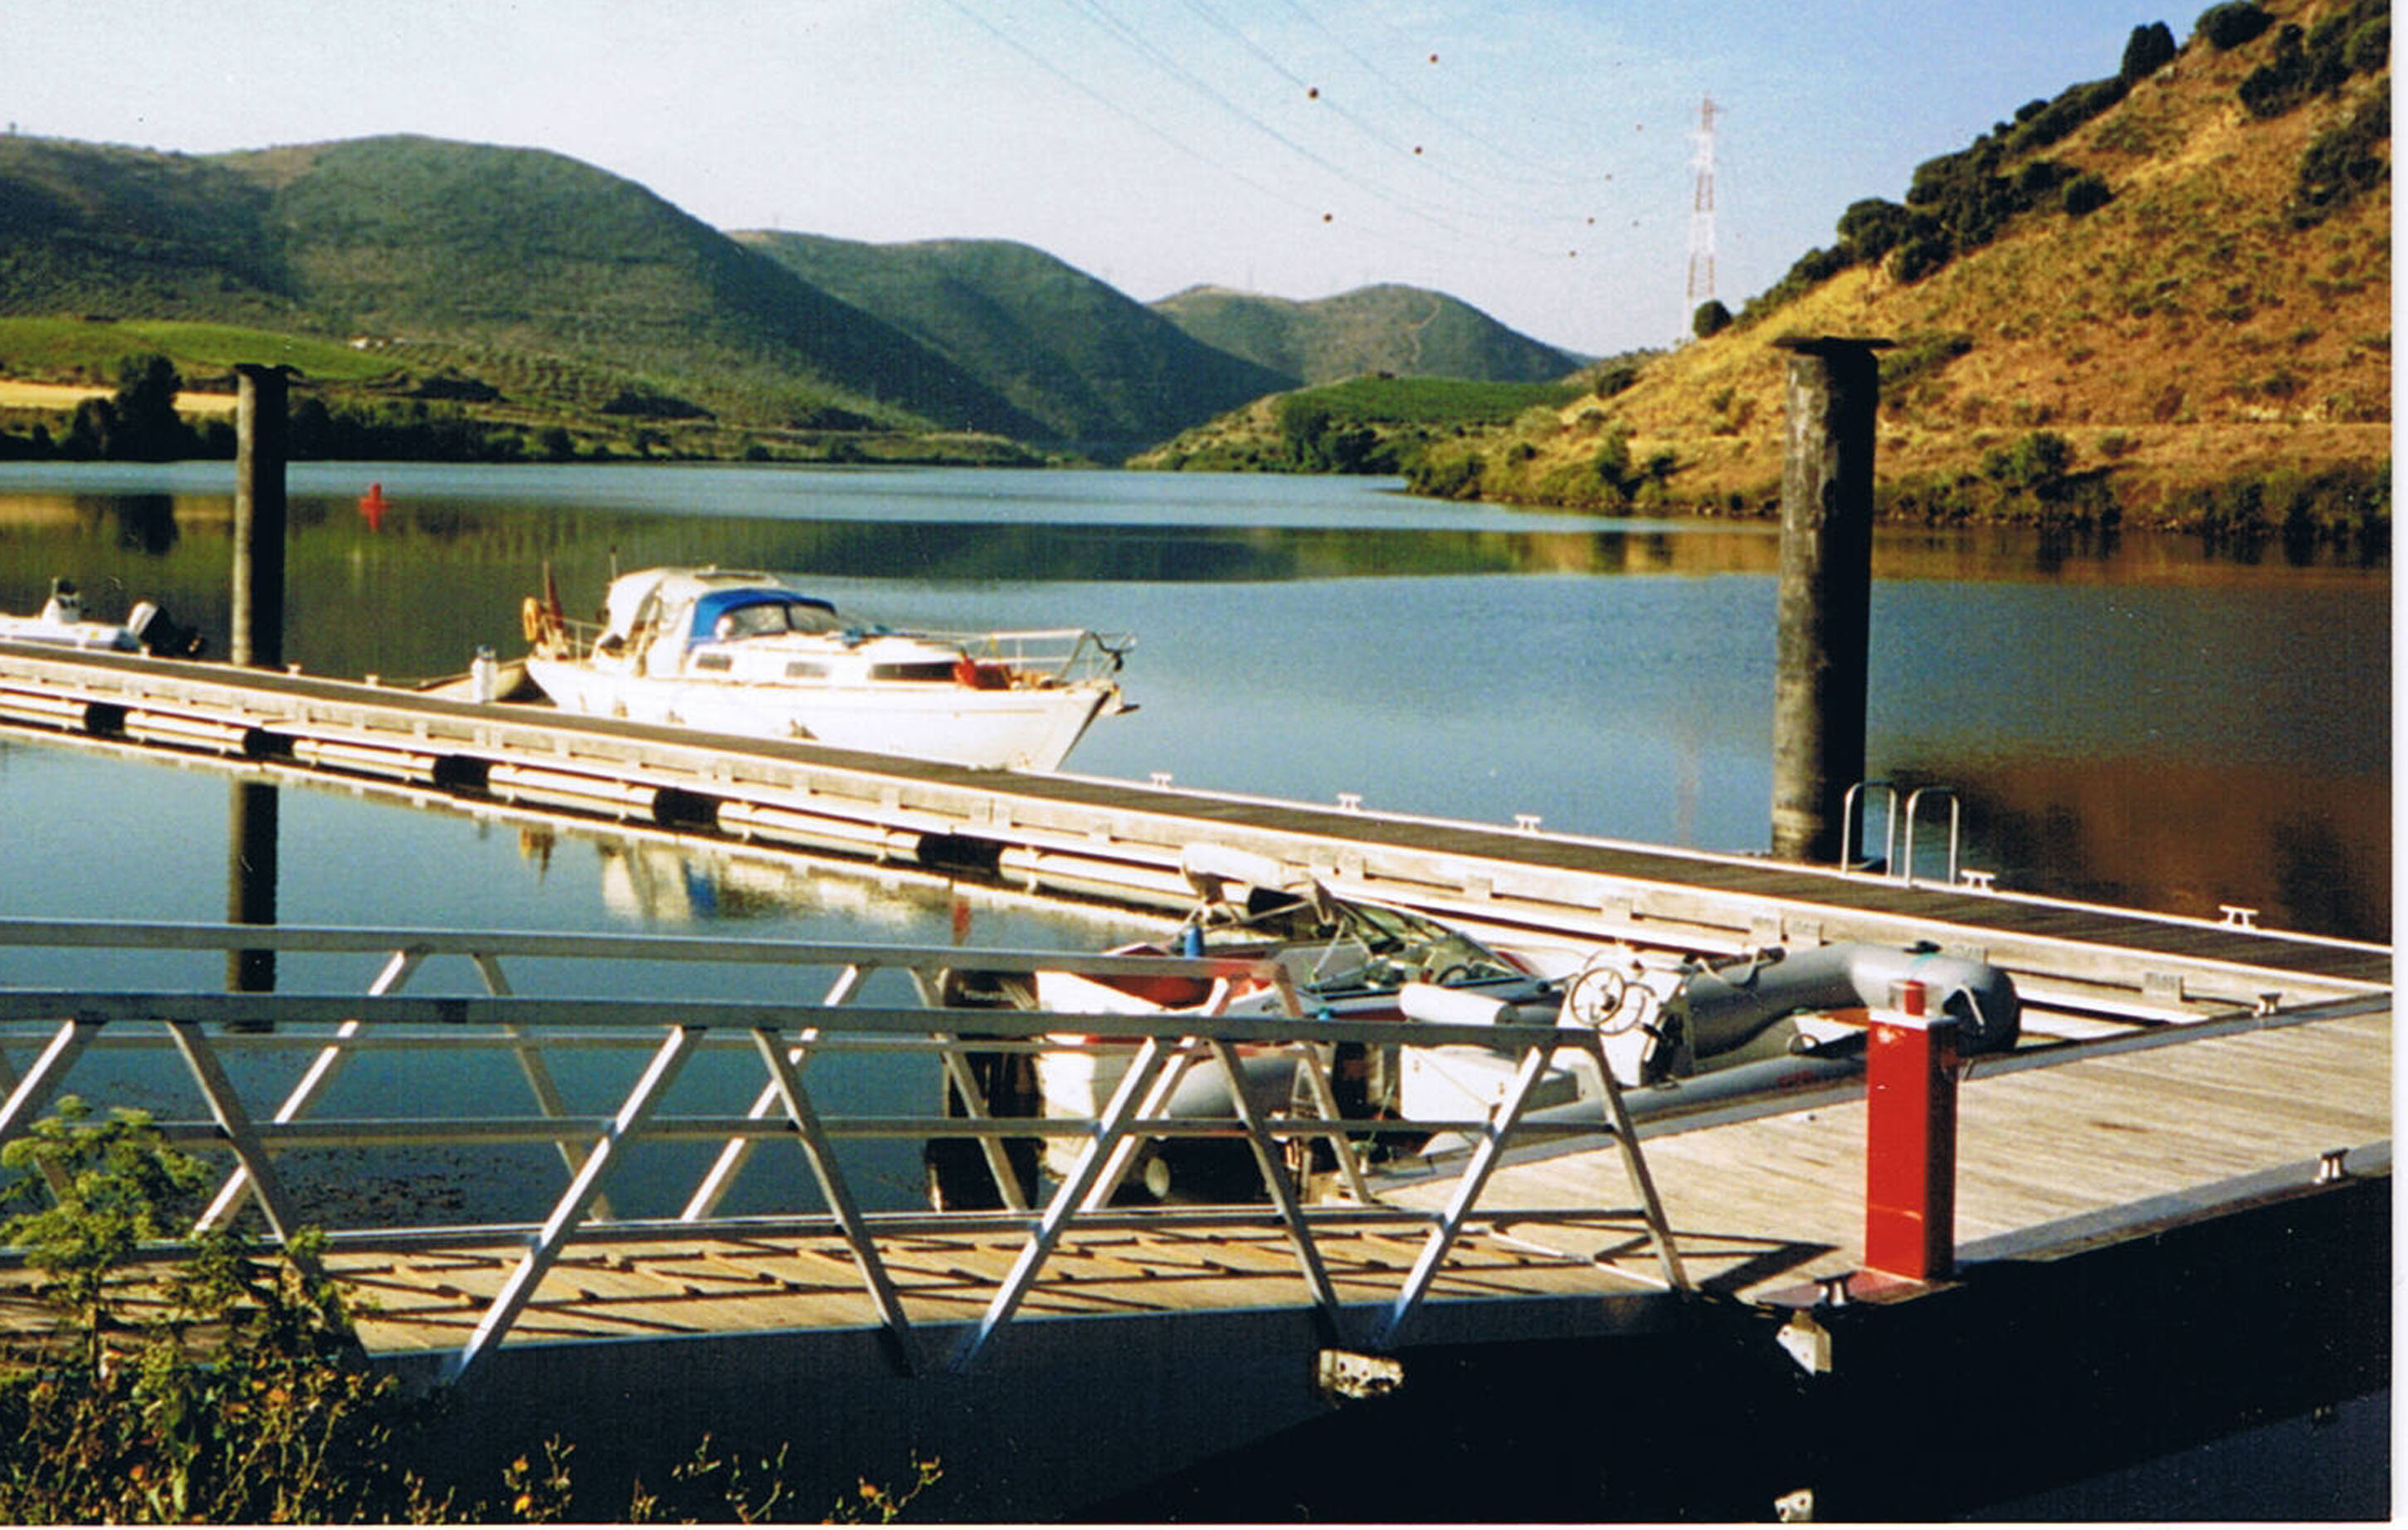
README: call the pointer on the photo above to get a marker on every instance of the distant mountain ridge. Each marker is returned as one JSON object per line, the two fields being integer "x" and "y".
{"x": 1400, "y": 331}
{"x": 569, "y": 285}
{"x": 1089, "y": 362}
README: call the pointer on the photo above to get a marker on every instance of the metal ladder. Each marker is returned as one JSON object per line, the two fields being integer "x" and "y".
{"x": 1899, "y": 861}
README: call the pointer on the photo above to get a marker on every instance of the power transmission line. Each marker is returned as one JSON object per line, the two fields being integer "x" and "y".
{"x": 1701, "y": 219}
{"x": 1437, "y": 216}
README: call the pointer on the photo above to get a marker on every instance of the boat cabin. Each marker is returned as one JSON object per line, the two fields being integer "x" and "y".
{"x": 736, "y": 625}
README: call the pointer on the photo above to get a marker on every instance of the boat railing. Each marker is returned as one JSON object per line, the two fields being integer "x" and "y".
{"x": 1048, "y": 656}
{"x": 565, "y": 637}
{"x": 258, "y": 1083}
{"x": 1039, "y": 656}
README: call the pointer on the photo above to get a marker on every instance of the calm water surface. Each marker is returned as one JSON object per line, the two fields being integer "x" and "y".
{"x": 2139, "y": 724}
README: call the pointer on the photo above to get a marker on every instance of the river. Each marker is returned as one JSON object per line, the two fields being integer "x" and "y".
{"x": 2140, "y": 723}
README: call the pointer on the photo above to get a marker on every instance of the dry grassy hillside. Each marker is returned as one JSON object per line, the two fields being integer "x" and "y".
{"x": 2184, "y": 337}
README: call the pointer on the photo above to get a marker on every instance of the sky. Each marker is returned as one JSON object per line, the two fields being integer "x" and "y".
{"x": 1537, "y": 159}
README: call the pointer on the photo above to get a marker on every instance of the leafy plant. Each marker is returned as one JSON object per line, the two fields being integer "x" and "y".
{"x": 227, "y": 1387}
{"x": 2344, "y": 163}
{"x": 2150, "y": 49}
{"x": 104, "y": 1182}
{"x": 2087, "y": 193}
{"x": 229, "y": 1394}
{"x": 2230, "y": 25}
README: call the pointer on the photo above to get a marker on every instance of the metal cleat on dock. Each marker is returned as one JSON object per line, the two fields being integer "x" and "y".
{"x": 1344, "y": 1376}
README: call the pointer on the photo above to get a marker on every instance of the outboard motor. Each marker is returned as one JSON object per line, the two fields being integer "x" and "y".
{"x": 66, "y": 606}
{"x": 1724, "y": 1006}
{"x": 160, "y": 635}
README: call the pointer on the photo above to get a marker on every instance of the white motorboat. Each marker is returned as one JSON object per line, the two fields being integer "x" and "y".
{"x": 61, "y": 623}
{"x": 734, "y": 650}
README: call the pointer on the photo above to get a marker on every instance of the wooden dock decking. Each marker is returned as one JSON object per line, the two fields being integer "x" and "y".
{"x": 2052, "y": 1156}
{"x": 1770, "y": 1203}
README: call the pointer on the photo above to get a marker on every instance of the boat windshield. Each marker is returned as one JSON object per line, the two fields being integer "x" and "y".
{"x": 722, "y": 617}
{"x": 1419, "y": 942}
{"x": 1399, "y": 940}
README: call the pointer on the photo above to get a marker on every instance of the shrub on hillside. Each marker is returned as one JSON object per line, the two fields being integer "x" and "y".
{"x": 2151, "y": 49}
{"x": 1614, "y": 377}
{"x": 1917, "y": 357}
{"x": 1447, "y": 477}
{"x": 2311, "y": 64}
{"x": 1922, "y": 255}
{"x": 1873, "y": 227}
{"x": 2073, "y": 106}
{"x": 1711, "y": 318}
{"x": 2087, "y": 193}
{"x": 2229, "y": 26}
{"x": 2035, "y": 466}
{"x": 2369, "y": 47}
{"x": 2344, "y": 162}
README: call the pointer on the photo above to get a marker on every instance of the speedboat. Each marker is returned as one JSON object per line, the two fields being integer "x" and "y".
{"x": 1333, "y": 957}
{"x": 61, "y": 623}
{"x": 1677, "y": 1032}
{"x": 735, "y": 650}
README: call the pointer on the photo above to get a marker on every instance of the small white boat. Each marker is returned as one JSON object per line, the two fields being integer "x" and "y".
{"x": 1768, "y": 1021}
{"x": 61, "y": 623}
{"x": 1337, "y": 958}
{"x": 734, "y": 651}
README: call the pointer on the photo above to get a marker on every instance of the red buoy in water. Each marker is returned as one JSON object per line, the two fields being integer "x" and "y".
{"x": 372, "y": 504}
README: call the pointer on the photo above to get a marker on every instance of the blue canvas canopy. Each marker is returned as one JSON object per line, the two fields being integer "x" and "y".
{"x": 713, "y": 604}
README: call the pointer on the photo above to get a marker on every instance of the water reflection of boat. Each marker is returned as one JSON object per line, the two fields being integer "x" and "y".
{"x": 61, "y": 623}
{"x": 737, "y": 651}
{"x": 1768, "y": 1019}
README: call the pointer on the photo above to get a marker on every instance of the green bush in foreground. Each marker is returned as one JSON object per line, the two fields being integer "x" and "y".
{"x": 227, "y": 1395}
{"x": 230, "y": 1389}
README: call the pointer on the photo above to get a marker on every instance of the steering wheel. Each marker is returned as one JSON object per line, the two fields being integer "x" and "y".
{"x": 1600, "y": 998}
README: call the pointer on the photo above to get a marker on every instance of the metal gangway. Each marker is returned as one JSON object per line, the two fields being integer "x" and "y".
{"x": 266, "y": 1066}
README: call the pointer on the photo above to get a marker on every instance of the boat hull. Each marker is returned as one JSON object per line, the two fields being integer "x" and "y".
{"x": 1033, "y": 729}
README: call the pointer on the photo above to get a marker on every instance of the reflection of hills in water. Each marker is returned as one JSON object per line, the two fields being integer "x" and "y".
{"x": 2180, "y": 837}
{"x": 2134, "y": 720}
{"x": 417, "y": 596}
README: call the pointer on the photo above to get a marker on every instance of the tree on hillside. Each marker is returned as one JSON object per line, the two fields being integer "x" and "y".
{"x": 2229, "y": 26}
{"x": 146, "y": 427}
{"x": 2151, "y": 49}
{"x": 1712, "y": 320}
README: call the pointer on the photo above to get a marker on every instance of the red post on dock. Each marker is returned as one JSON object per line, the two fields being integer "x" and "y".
{"x": 1910, "y": 1141}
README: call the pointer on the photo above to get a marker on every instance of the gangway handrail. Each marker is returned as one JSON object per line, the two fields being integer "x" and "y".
{"x": 45, "y": 1031}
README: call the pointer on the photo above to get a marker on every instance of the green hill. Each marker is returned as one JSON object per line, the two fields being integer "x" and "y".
{"x": 529, "y": 250}
{"x": 2161, "y": 297}
{"x": 512, "y": 301}
{"x": 533, "y": 277}
{"x": 1365, "y": 424}
{"x": 85, "y": 229}
{"x": 1401, "y": 330}
{"x": 1091, "y": 366}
